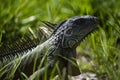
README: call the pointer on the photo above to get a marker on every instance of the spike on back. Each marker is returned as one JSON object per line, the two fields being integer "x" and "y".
{"x": 23, "y": 45}
{"x": 17, "y": 48}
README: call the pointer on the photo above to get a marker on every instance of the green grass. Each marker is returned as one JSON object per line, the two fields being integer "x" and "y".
{"x": 17, "y": 16}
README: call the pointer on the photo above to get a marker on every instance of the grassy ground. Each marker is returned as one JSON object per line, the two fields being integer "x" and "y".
{"x": 102, "y": 47}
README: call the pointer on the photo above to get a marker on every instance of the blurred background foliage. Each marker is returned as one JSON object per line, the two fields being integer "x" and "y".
{"x": 102, "y": 47}
{"x": 17, "y": 16}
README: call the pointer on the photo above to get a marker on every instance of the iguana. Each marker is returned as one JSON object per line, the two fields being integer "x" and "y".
{"x": 59, "y": 50}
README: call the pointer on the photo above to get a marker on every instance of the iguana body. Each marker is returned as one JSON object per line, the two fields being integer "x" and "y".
{"x": 59, "y": 49}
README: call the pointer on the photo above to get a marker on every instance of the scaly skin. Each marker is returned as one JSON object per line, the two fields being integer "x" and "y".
{"x": 60, "y": 47}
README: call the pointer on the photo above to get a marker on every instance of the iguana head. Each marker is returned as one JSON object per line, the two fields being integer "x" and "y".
{"x": 72, "y": 31}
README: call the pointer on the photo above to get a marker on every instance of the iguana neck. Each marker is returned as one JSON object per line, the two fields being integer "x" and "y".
{"x": 67, "y": 59}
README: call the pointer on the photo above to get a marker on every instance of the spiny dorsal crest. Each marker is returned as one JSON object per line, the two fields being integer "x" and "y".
{"x": 23, "y": 45}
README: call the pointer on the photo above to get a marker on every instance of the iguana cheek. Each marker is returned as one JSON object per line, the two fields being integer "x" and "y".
{"x": 71, "y": 43}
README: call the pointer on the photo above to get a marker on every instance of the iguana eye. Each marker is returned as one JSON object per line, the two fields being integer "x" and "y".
{"x": 69, "y": 32}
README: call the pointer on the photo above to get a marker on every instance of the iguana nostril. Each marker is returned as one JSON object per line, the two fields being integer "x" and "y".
{"x": 96, "y": 20}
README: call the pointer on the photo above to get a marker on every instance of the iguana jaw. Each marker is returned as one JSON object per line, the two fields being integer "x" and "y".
{"x": 85, "y": 32}
{"x": 89, "y": 25}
